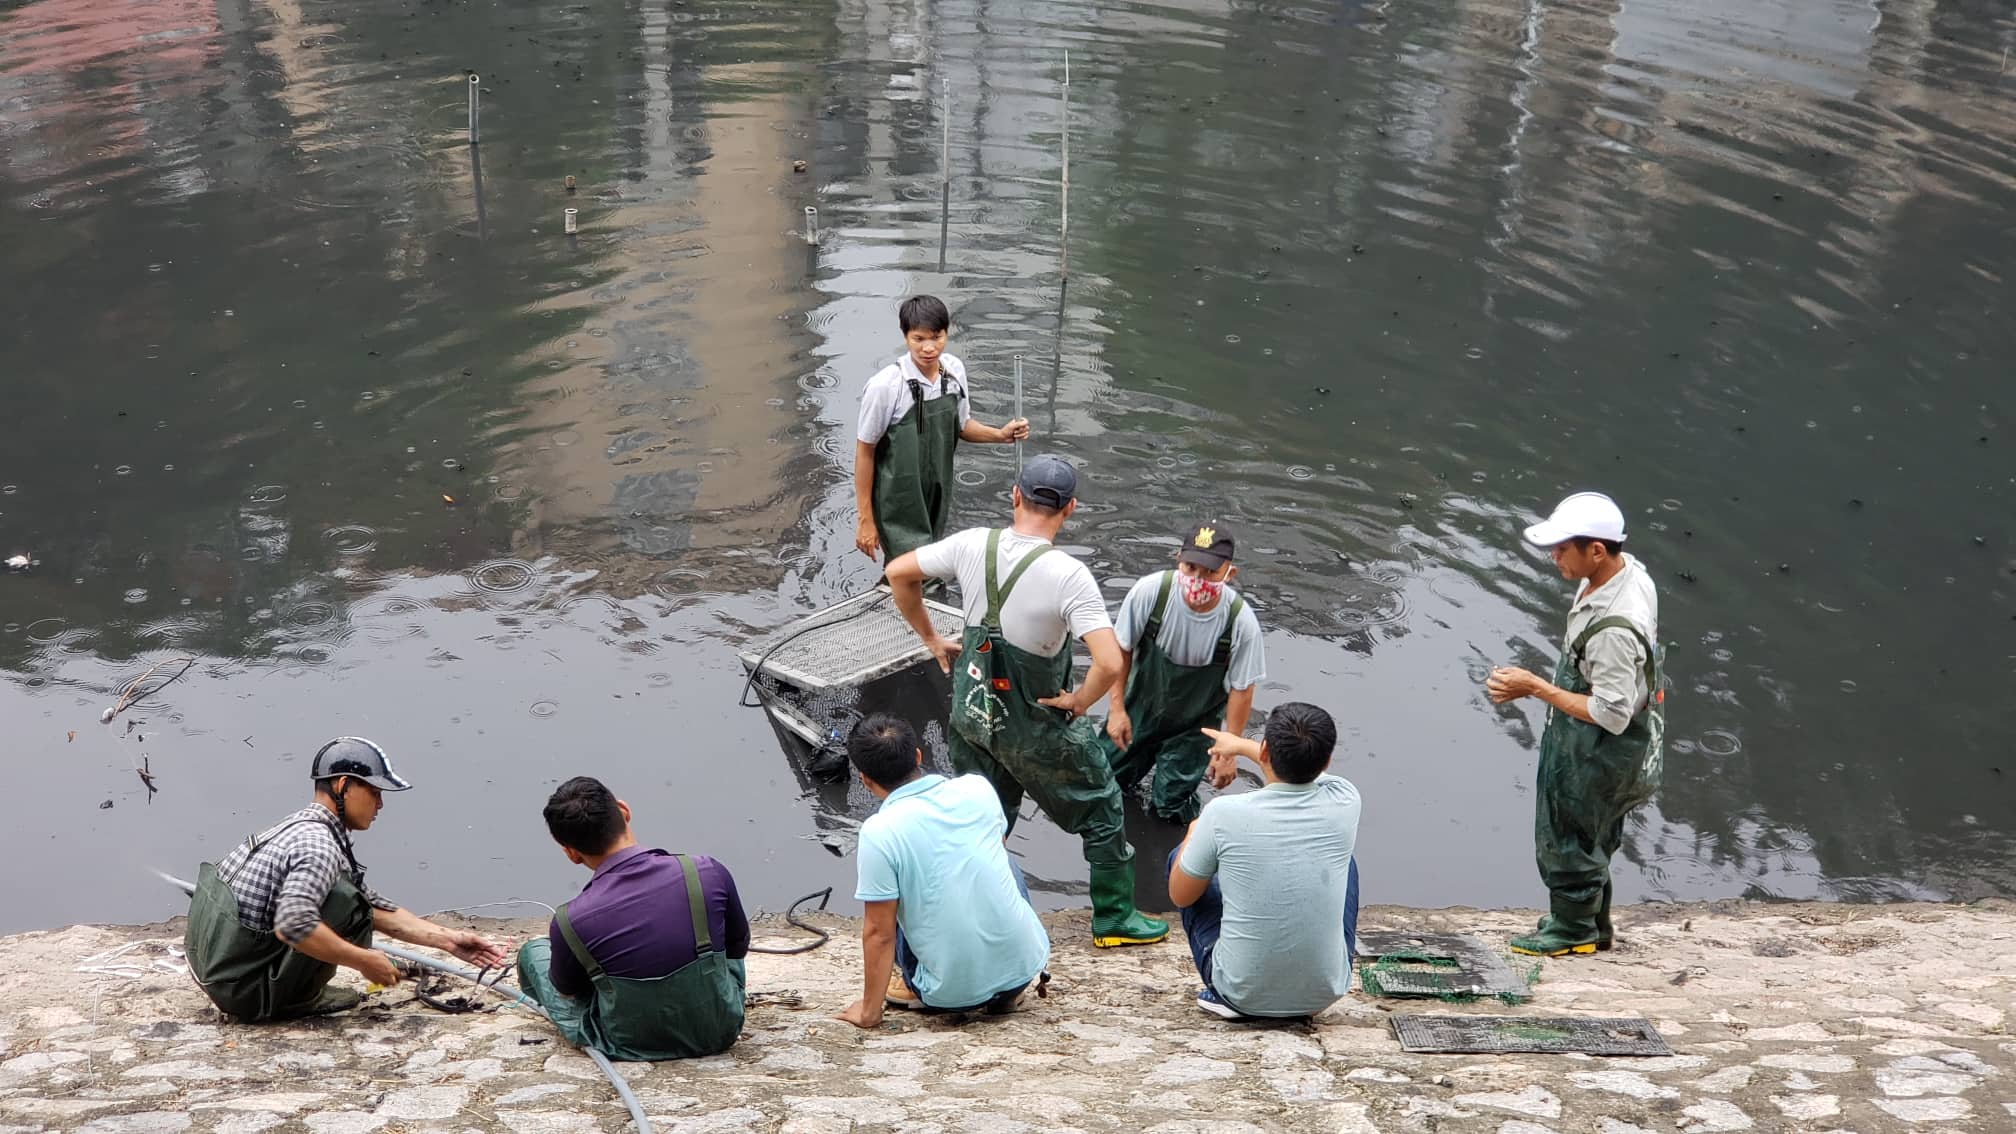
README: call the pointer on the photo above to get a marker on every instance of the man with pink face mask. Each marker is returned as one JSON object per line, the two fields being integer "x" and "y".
{"x": 1191, "y": 655}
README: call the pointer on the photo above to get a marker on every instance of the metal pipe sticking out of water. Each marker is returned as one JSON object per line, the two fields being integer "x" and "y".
{"x": 1018, "y": 412}
{"x": 573, "y": 220}
{"x": 945, "y": 172}
{"x": 1064, "y": 224}
{"x": 811, "y": 225}
{"x": 475, "y": 95}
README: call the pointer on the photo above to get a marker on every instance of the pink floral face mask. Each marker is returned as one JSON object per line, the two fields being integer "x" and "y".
{"x": 1198, "y": 590}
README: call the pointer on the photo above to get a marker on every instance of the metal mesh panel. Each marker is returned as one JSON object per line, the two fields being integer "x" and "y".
{"x": 852, "y": 643}
{"x": 1444, "y": 966}
{"x": 1455, "y": 1035}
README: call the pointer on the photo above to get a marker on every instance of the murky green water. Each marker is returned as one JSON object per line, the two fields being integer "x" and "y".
{"x": 299, "y": 389}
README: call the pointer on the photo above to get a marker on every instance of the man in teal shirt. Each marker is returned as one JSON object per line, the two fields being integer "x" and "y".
{"x": 943, "y": 904}
{"x": 1267, "y": 880}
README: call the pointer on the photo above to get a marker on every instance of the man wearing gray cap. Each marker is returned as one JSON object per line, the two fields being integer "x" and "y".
{"x": 1601, "y": 753}
{"x": 1014, "y": 719}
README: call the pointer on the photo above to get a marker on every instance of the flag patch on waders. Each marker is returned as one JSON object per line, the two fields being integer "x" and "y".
{"x": 983, "y": 705}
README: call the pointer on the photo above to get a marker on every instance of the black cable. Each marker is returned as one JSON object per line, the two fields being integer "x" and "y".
{"x": 791, "y": 916}
{"x": 757, "y": 669}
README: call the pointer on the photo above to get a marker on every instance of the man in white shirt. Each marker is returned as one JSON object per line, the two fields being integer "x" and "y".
{"x": 1013, "y": 718}
{"x": 914, "y": 413}
{"x": 1603, "y": 748}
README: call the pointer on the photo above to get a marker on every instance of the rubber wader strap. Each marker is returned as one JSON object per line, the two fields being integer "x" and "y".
{"x": 1223, "y": 654}
{"x": 1618, "y": 622}
{"x": 1153, "y": 630}
{"x": 696, "y": 903}
{"x": 998, "y": 593}
{"x": 573, "y": 940}
{"x": 917, "y": 394}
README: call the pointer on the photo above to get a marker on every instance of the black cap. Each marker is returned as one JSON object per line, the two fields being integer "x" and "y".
{"x": 1048, "y": 480}
{"x": 358, "y": 758}
{"x": 1207, "y": 545}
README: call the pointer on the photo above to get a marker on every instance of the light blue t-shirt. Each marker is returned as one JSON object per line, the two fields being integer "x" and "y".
{"x": 935, "y": 848}
{"x": 1190, "y": 638}
{"x": 1283, "y": 859}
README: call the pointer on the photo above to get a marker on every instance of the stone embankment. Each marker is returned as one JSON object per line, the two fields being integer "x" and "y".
{"x": 1781, "y": 1018}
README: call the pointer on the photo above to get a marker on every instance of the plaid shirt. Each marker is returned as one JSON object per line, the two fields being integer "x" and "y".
{"x": 281, "y": 878}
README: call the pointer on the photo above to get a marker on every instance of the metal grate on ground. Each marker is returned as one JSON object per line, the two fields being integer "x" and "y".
{"x": 850, "y": 643}
{"x": 1551, "y": 1035}
{"x": 1441, "y": 966}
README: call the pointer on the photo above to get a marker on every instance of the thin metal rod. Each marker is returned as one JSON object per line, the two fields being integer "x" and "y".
{"x": 1018, "y": 411}
{"x": 1064, "y": 227}
{"x": 475, "y": 94}
{"x": 476, "y": 174}
{"x": 945, "y": 172}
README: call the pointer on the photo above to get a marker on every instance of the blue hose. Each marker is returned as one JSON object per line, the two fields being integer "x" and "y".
{"x": 609, "y": 1069}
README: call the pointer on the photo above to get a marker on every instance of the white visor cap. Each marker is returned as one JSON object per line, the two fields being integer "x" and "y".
{"x": 1585, "y": 515}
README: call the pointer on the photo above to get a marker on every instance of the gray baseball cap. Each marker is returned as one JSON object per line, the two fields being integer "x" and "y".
{"x": 1048, "y": 480}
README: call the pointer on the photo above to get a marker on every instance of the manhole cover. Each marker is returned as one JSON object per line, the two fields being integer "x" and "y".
{"x": 1457, "y": 1035}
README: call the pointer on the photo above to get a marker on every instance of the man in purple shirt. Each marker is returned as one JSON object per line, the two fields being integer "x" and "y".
{"x": 646, "y": 963}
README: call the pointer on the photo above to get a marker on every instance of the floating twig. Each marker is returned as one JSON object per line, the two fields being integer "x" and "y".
{"x": 130, "y": 692}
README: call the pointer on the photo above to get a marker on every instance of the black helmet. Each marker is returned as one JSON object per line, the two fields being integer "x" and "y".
{"x": 359, "y": 759}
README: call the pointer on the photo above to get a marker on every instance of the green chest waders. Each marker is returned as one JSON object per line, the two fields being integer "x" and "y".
{"x": 999, "y": 731}
{"x": 694, "y": 1011}
{"x": 1168, "y": 704}
{"x": 912, "y": 496}
{"x": 256, "y": 976}
{"x": 1589, "y": 781}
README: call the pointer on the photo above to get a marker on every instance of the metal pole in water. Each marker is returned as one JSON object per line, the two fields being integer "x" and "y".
{"x": 945, "y": 172}
{"x": 1018, "y": 411}
{"x": 573, "y": 220}
{"x": 1064, "y": 228}
{"x": 475, "y": 93}
{"x": 811, "y": 225}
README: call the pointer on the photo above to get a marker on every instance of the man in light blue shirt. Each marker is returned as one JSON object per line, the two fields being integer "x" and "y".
{"x": 1267, "y": 880}
{"x": 943, "y": 904}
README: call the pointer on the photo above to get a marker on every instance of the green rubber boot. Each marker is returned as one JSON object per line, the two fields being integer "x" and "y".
{"x": 1115, "y": 921}
{"x": 1606, "y": 933}
{"x": 1552, "y": 939}
{"x": 333, "y": 1000}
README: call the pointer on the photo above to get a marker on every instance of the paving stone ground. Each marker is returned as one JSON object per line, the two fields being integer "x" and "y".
{"x": 1781, "y": 1017}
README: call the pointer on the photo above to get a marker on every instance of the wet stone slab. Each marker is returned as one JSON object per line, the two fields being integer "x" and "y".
{"x": 1865, "y": 1038}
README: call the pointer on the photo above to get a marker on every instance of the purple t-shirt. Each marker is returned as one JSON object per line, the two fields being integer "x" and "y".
{"x": 633, "y": 919}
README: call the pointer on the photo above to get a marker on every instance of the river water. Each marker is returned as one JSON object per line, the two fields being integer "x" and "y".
{"x": 305, "y": 388}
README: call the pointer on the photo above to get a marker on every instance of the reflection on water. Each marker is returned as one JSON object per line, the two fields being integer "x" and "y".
{"x": 304, "y": 390}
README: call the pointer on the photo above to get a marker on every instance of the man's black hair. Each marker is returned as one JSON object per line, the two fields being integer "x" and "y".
{"x": 582, "y": 816}
{"x": 924, "y": 313}
{"x": 884, "y": 748}
{"x": 1614, "y": 547}
{"x": 1300, "y": 738}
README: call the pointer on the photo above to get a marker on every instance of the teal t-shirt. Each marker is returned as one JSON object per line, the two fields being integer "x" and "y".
{"x": 935, "y": 848}
{"x": 1283, "y": 860}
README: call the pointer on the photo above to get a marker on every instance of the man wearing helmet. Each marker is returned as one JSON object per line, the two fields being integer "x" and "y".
{"x": 270, "y": 924}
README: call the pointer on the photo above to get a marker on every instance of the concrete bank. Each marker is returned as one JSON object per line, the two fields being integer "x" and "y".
{"x": 1781, "y": 1017}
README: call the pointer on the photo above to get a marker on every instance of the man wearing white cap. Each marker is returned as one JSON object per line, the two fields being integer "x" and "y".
{"x": 1601, "y": 753}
